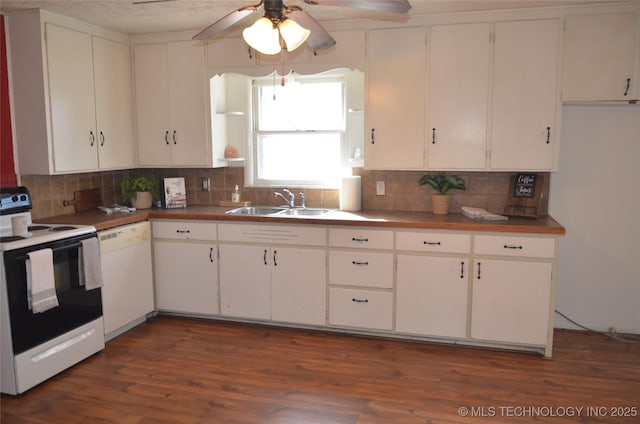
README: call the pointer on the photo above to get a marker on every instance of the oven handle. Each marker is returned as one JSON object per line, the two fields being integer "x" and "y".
{"x": 57, "y": 249}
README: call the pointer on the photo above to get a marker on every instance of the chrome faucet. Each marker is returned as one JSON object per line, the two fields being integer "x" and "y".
{"x": 303, "y": 204}
{"x": 291, "y": 201}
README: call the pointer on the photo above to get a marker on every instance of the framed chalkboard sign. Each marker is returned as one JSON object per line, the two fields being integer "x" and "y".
{"x": 525, "y": 185}
{"x": 523, "y": 199}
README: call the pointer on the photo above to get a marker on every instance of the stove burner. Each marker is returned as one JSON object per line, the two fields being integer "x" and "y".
{"x": 62, "y": 228}
{"x": 37, "y": 227}
{"x": 6, "y": 239}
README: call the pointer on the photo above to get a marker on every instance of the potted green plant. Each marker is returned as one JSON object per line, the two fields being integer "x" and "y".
{"x": 141, "y": 191}
{"x": 442, "y": 183}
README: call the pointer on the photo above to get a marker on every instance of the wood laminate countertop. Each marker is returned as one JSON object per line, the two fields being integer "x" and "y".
{"x": 383, "y": 219}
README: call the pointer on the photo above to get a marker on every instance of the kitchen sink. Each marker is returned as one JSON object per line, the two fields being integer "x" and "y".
{"x": 256, "y": 210}
{"x": 278, "y": 211}
{"x": 304, "y": 212}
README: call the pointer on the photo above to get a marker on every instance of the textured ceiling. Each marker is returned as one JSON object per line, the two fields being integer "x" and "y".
{"x": 184, "y": 15}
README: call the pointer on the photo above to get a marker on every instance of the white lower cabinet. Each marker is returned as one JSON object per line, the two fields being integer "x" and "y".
{"x": 273, "y": 281}
{"x": 432, "y": 296}
{"x": 185, "y": 257}
{"x": 186, "y": 277}
{"x": 361, "y": 308}
{"x": 479, "y": 288}
{"x": 511, "y": 301}
{"x": 361, "y": 278}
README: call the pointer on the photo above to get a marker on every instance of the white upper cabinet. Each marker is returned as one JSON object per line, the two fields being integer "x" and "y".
{"x": 600, "y": 58}
{"x": 394, "y": 119}
{"x": 114, "y": 104}
{"x": 71, "y": 91}
{"x": 526, "y": 95}
{"x": 171, "y": 104}
{"x": 458, "y": 96}
{"x": 73, "y": 110}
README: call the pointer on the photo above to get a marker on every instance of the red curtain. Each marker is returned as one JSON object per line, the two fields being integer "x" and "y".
{"x": 7, "y": 168}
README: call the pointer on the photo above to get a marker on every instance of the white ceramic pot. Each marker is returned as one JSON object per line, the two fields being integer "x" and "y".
{"x": 142, "y": 200}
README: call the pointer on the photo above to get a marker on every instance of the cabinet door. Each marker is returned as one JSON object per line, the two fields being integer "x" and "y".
{"x": 599, "y": 55}
{"x": 395, "y": 99}
{"x": 298, "y": 286}
{"x": 245, "y": 281}
{"x": 431, "y": 296}
{"x": 188, "y": 97}
{"x": 186, "y": 277}
{"x": 71, "y": 96}
{"x": 525, "y": 95}
{"x": 152, "y": 104}
{"x": 511, "y": 301}
{"x": 458, "y": 96}
{"x": 114, "y": 104}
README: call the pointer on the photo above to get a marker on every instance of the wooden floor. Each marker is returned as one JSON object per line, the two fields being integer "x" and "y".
{"x": 180, "y": 370}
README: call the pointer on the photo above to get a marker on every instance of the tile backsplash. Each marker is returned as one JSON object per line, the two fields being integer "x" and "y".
{"x": 403, "y": 193}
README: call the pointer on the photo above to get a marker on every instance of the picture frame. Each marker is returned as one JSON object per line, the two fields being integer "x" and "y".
{"x": 174, "y": 193}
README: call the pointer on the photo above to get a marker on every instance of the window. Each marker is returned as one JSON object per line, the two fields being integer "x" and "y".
{"x": 299, "y": 131}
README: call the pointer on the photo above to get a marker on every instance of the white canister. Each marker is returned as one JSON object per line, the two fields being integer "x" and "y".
{"x": 19, "y": 225}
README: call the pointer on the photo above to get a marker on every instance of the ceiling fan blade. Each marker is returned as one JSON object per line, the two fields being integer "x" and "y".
{"x": 388, "y": 6}
{"x": 319, "y": 39}
{"x": 220, "y": 25}
{"x": 149, "y": 1}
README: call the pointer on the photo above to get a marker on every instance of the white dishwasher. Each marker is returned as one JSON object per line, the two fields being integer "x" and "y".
{"x": 127, "y": 294}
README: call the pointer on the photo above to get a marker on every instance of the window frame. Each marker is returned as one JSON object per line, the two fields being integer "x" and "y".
{"x": 251, "y": 168}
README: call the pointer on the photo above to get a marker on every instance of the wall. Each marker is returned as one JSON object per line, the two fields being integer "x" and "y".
{"x": 594, "y": 195}
{"x": 484, "y": 189}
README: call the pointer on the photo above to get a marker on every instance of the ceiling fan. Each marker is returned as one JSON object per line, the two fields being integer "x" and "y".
{"x": 292, "y": 23}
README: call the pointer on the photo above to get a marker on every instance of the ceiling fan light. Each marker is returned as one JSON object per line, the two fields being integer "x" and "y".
{"x": 262, "y": 36}
{"x": 293, "y": 34}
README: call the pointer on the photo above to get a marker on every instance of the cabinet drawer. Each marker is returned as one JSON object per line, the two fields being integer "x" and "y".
{"x": 184, "y": 230}
{"x": 533, "y": 247}
{"x": 361, "y": 237}
{"x": 361, "y": 308}
{"x": 433, "y": 242}
{"x": 265, "y": 233}
{"x": 367, "y": 269}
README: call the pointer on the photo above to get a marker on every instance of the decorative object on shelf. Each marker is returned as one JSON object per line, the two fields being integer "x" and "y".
{"x": 442, "y": 183}
{"x": 140, "y": 191}
{"x": 523, "y": 198}
{"x": 230, "y": 152}
{"x": 174, "y": 193}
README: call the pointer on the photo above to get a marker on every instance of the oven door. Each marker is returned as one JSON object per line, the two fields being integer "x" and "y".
{"x": 77, "y": 306}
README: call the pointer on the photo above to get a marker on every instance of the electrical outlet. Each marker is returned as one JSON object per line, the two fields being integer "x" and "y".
{"x": 380, "y": 188}
{"x": 206, "y": 184}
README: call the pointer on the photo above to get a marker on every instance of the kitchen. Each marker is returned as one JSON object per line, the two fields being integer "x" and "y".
{"x": 581, "y": 293}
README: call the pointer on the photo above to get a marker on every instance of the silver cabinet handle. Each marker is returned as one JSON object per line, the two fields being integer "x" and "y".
{"x": 166, "y": 137}
{"x": 101, "y": 139}
{"x": 174, "y": 137}
{"x": 211, "y": 254}
{"x": 92, "y": 138}
{"x": 360, "y": 263}
{"x": 360, "y": 300}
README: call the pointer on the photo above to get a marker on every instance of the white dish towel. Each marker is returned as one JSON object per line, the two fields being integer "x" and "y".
{"x": 41, "y": 284}
{"x": 90, "y": 265}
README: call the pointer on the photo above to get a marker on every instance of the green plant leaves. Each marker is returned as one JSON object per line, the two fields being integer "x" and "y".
{"x": 442, "y": 183}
